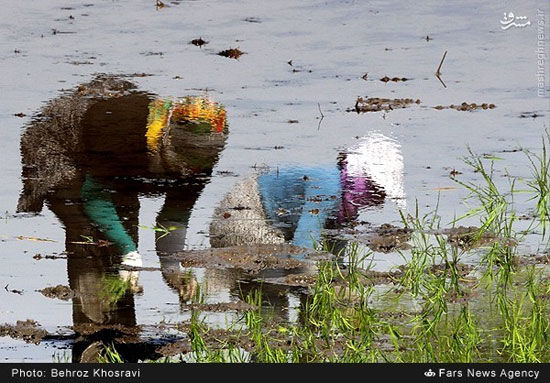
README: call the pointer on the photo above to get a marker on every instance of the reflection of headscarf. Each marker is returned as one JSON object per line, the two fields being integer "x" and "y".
{"x": 376, "y": 159}
{"x": 159, "y": 115}
{"x": 205, "y": 116}
{"x": 358, "y": 191}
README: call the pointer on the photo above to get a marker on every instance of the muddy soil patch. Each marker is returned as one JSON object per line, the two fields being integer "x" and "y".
{"x": 60, "y": 292}
{"x": 252, "y": 259}
{"x": 387, "y": 238}
{"x": 375, "y": 104}
{"x": 543, "y": 259}
{"x": 232, "y": 53}
{"x": 468, "y": 237}
{"x": 467, "y": 107}
{"x": 28, "y": 330}
{"x": 88, "y": 329}
{"x": 219, "y": 307}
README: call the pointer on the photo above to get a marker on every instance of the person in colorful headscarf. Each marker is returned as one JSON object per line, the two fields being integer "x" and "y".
{"x": 297, "y": 203}
{"x": 90, "y": 154}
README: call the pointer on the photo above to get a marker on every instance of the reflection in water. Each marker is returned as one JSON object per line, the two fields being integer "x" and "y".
{"x": 296, "y": 204}
{"x": 376, "y": 160}
{"x": 89, "y": 155}
{"x": 92, "y": 153}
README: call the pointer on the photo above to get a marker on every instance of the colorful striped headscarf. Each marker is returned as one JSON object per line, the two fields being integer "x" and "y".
{"x": 204, "y": 115}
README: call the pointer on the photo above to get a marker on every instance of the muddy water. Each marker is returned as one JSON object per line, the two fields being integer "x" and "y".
{"x": 293, "y": 162}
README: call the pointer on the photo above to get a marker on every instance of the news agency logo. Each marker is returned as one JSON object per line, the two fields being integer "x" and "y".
{"x": 429, "y": 373}
{"x": 512, "y": 21}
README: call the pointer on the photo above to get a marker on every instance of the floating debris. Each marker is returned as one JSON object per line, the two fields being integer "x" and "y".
{"x": 14, "y": 291}
{"x": 60, "y": 292}
{"x": 233, "y": 53}
{"x": 198, "y": 42}
{"x": 466, "y": 107}
{"x": 394, "y": 79}
{"x": 142, "y": 74}
{"x": 530, "y": 115}
{"x": 34, "y": 239}
{"x": 375, "y": 104}
{"x": 253, "y": 20}
{"x": 40, "y": 256}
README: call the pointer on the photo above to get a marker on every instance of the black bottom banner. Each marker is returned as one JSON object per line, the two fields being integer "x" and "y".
{"x": 425, "y": 372}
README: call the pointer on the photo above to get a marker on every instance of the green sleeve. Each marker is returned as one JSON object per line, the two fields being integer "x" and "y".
{"x": 99, "y": 207}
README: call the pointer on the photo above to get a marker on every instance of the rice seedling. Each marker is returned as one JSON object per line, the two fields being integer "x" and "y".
{"x": 110, "y": 355}
{"x": 161, "y": 229}
{"x": 113, "y": 288}
{"x": 346, "y": 318}
{"x": 540, "y": 183}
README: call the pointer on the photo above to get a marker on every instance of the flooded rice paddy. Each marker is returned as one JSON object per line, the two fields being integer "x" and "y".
{"x": 163, "y": 165}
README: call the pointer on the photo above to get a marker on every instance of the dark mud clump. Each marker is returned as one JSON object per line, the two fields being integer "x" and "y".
{"x": 198, "y": 42}
{"x": 462, "y": 269}
{"x": 60, "y": 292}
{"x": 387, "y": 238}
{"x": 29, "y": 331}
{"x": 233, "y": 53}
{"x": 394, "y": 79}
{"x": 468, "y": 237}
{"x": 375, "y": 104}
{"x": 466, "y": 107}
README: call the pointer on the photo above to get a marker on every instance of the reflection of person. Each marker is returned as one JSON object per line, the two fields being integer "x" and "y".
{"x": 300, "y": 201}
{"x": 89, "y": 155}
{"x": 295, "y": 204}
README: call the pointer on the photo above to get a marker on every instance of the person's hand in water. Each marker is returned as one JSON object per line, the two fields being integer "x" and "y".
{"x": 131, "y": 259}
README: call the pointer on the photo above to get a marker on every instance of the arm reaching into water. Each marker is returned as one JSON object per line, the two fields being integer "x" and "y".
{"x": 99, "y": 207}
